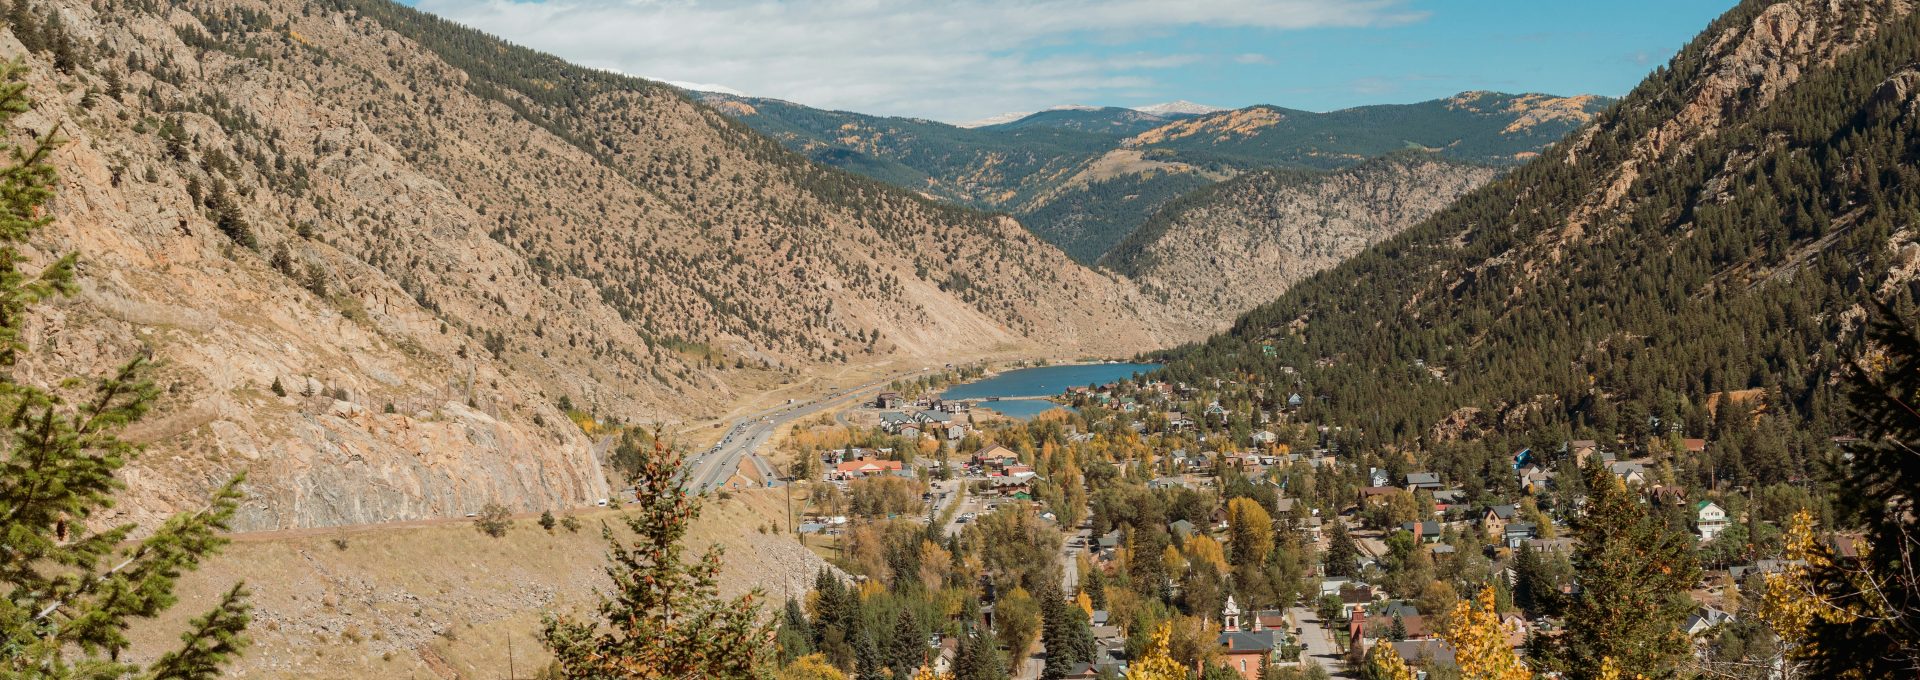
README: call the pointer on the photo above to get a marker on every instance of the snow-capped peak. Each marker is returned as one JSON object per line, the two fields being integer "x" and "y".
{"x": 995, "y": 119}
{"x": 1178, "y": 108}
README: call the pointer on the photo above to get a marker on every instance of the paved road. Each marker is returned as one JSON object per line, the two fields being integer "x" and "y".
{"x": 710, "y": 469}
{"x": 1318, "y": 641}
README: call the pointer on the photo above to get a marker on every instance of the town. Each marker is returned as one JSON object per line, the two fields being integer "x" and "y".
{"x": 1250, "y": 539}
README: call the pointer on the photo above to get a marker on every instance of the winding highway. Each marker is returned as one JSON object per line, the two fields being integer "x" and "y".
{"x": 710, "y": 469}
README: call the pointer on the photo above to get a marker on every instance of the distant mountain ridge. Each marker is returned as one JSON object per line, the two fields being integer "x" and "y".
{"x": 1084, "y": 178}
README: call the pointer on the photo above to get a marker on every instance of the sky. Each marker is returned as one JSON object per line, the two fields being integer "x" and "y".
{"x": 961, "y": 60}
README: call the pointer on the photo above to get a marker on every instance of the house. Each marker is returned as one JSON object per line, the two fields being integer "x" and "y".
{"x": 1411, "y": 622}
{"x": 1662, "y": 494}
{"x": 1629, "y": 472}
{"x": 1009, "y": 487}
{"x": 1374, "y": 495}
{"x": 1245, "y": 649}
{"x": 1215, "y": 411}
{"x": 1709, "y": 519}
{"x": 1417, "y": 481}
{"x": 1523, "y": 458}
{"x": 1427, "y": 531}
{"x": 888, "y": 400}
{"x": 1378, "y": 477}
{"x": 1294, "y": 400}
{"x": 1581, "y": 449}
{"x": 1426, "y": 654}
{"x": 1496, "y": 519}
{"x": 1517, "y": 533}
{"x": 1693, "y": 445}
{"x": 1177, "y": 421}
{"x": 1705, "y": 619}
{"x": 1265, "y": 437}
{"x": 866, "y": 467}
{"x": 996, "y": 456}
{"x": 1181, "y": 529}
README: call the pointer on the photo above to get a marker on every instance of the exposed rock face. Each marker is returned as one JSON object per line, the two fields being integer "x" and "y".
{"x": 428, "y": 238}
{"x": 1745, "y": 67}
{"x": 1242, "y": 243}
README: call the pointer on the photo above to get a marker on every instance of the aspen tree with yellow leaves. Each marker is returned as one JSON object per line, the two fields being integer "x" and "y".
{"x": 1480, "y": 643}
{"x": 1158, "y": 663}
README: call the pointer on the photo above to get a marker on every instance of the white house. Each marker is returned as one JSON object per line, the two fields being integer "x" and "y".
{"x": 1709, "y": 519}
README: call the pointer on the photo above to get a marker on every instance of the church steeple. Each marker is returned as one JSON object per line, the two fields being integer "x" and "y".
{"x": 1230, "y": 617}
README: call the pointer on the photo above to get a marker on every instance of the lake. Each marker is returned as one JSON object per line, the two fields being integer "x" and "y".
{"x": 1045, "y": 381}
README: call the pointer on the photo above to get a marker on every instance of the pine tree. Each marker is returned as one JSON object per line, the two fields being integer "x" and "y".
{"x": 906, "y": 649}
{"x": 1341, "y": 552}
{"x": 1634, "y": 574}
{"x": 1865, "y": 613}
{"x": 978, "y": 658}
{"x": 795, "y": 637}
{"x": 71, "y": 592}
{"x": 665, "y": 617}
{"x": 1064, "y": 632}
{"x": 869, "y": 662}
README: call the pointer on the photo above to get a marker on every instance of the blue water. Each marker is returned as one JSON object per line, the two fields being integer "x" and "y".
{"x": 1021, "y": 409}
{"x": 1044, "y": 381}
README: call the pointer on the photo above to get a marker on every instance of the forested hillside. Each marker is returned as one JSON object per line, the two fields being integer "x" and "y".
{"x": 1085, "y": 178}
{"x": 386, "y": 261}
{"x": 1234, "y": 245}
{"x": 1705, "y": 252}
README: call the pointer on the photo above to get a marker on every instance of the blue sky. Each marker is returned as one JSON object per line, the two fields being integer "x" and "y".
{"x": 960, "y": 60}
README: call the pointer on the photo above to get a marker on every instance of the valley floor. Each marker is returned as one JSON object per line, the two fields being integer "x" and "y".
{"x": 443, "y": 600}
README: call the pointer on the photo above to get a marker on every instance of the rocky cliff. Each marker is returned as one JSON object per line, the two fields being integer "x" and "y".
{"x": 373, "y": 251}
{"x": 1236, "y": 245}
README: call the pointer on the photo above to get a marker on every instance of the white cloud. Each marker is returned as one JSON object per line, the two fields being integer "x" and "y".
{"x": 949, "y": 60}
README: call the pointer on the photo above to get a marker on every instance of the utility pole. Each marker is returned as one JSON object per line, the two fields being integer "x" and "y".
{"x": 510, "y": 673}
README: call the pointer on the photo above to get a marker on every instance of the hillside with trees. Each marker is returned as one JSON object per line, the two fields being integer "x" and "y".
{"x": 1086, "y": 178}
{"x": 387, "y": 263}
{"x": 1697, "y": 263}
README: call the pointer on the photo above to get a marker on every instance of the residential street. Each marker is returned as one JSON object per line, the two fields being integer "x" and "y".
{"x": 1318, "y": 642}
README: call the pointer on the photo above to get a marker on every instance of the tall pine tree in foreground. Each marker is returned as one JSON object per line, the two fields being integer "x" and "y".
{"x": 1634, "y": 573}
{"x": 1859, "y": 617}
{"x": 664, "y": 618}
{"x": 72, "y": 592}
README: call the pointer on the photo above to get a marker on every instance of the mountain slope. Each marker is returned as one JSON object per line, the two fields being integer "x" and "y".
{"x": 1722, "y": 228}
{"x": 373, "y": 250}
{"x": 1084, "y": 178}
{"x": 1478, "y": 127}
{"x": 1262, "y": 231}
{"x": 1105, "y": 120}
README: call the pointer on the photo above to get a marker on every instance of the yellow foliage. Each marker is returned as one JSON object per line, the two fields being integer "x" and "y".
{"x": 1203, "y": 548}
{"x": 1791, "y": 602}
{"x": 1157, "y": 663}
{"x": 1176, "y": 564}
{"x": 1480, "y": 643}
{"x": 870, "y": 588}
{"x": 1085, "y": 603}
{"x": 811, "y": 667}
{"x": 1385, "y": 664}
{"x": 928, "y": 673}
{"x": 1611, "y": 671}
